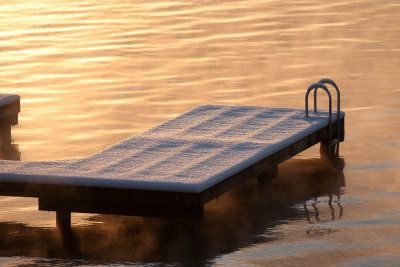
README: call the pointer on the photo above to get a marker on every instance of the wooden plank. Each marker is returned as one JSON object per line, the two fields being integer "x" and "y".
{"x": 112, "y": 195}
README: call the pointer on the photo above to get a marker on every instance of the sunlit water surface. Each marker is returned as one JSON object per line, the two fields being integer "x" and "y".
{"x": 91, "y": 73}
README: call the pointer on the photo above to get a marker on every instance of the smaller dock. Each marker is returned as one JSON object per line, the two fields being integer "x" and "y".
{"x": 9, "y": 109}
{"x": 175, "y": 168}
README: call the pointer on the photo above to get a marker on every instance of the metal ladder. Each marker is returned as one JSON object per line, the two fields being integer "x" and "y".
{"x": 333, "y": 143}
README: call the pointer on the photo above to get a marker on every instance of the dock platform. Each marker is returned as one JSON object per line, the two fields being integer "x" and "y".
{"x": 175, "y": 168}
{"x": 9, "y": 109}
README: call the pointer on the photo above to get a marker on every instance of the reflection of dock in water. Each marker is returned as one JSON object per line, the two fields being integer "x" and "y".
{"x": 242, "y": 217}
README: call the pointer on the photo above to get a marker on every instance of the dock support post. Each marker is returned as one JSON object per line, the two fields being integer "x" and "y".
{"x": 337, "y": 162}
{"x": 325, "y": 152}
{"x": 63, "y": 220}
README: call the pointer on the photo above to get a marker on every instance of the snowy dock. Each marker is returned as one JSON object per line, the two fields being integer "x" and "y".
{"x": 178, "y": 166}
{"x": 9, "y": 109}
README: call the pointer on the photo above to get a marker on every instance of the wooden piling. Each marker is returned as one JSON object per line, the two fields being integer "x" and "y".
{"x": 63, "y": 220}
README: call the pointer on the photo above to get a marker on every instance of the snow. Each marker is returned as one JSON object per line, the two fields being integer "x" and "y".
{"x": 189, "y": 153}
{"x": 6, "y": 99}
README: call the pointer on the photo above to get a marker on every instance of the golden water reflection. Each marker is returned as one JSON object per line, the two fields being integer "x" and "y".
{"x": 94, "y": 75}
{"x": 91, "y": 74}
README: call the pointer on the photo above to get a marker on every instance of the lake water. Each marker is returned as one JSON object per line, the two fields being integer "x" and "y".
{"x": 93, "y": 73}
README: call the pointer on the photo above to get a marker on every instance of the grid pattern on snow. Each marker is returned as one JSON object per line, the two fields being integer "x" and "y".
{"x": 190, "y": 153}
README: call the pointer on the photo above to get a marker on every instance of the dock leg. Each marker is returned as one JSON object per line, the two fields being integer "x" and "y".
{"x": 332, "y": 158}
{"x": 63, "y": 220}
{"x": 69, "y": 239}
{"x": 324, "y": 151}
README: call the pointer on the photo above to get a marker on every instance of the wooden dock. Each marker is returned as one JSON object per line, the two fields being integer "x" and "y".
{"x": 159, "y": 172}
{"x": 9, "y": 109}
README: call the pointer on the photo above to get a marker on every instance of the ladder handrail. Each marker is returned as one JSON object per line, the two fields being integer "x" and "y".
{"x": 315, "y": 87}
{"x": 331, "y": 82}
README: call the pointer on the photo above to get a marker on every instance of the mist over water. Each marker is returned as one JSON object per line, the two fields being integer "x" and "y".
{"x": 91, "y": 74}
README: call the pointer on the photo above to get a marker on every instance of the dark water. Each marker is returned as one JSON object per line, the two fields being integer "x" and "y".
{"x": 91, "y": 74}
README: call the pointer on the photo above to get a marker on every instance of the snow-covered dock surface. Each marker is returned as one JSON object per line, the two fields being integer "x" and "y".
{"x": 189, "y": 153}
